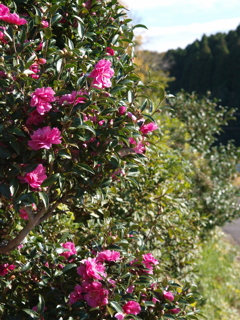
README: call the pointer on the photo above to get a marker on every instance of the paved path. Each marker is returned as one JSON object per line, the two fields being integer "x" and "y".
{"x": 233, "y": 229}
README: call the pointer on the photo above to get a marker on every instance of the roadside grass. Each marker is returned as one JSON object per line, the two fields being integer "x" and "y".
{"x": 219, "y": 278}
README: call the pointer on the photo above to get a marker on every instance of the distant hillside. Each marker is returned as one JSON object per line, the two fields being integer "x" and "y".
{"x": 211, "y": 64}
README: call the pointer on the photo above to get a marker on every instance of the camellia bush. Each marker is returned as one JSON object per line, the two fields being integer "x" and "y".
{"x": 72, "y": 126}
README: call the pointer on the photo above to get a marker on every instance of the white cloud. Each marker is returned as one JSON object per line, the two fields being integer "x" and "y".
{"x": 195, "y": 4}
{"x": 164, "y": 38}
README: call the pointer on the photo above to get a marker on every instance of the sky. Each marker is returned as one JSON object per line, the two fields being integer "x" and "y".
{"x": 176, "y": 23}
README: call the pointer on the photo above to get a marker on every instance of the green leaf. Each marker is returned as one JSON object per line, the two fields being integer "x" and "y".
{"x": 5, "y": 191}
{"x": 115, "y": 39}
{"x": 140, "y": 26}
{"x": 144, "y": 105}
{"x": 117, "y": 89}
{"x": 14, "y": 185}
{"x": 41, "y": 304}
{"x": 116, "y": 306}
{"x": 59, "y": 65}
{"x": 32, "y": 313}
{"x": 53, "y": 9}
{"x": 26, "y": 267}
{"x": 44, "y": 197}
{"x": 87, "y": 128}
{"x": 161, "y": 94}
{"x": 48, "y": 33}
{"x": 50, "y": 180}
{"x": 80, "y": 30}
{"x": 56, "y": 18}
{"x": 68, "y": 267}
{"x": 169, "y": 316}
{"x": 85, "y": 167}
{"x": 130, "y": 96}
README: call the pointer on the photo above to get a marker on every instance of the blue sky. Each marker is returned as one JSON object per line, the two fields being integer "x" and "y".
{"x": 177, "y": 23}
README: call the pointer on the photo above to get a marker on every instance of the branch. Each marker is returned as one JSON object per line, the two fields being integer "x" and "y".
{"x": 14, "y": 243}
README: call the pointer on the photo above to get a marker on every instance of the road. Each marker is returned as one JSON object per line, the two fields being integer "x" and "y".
{"x": 233, "y": 229}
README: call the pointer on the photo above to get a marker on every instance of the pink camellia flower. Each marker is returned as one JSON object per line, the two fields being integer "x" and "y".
{"x": 71, "y": 249}
{"x": 168, "y": 295}
{"x": 91, "y": 268}
{"x": 154, "y": 300}
{"x": 5, "y": 268}
{"x": 119, "y": 316}
{"x": 44, "y": 138}
{"x": 73, "y": 98}
{"x": 132, "y": 307}
{"x": 44, "y": 24}
{"x": 148, "y": 262}
{"x": 146, "y": 128}
{"x": 34, "y": 118}
{"x": 39, "y": 47}
{"x": 23, "y": 214}
{"x": 101, "y": 74}
{"x": 130, "y": 289}
{"x": 2, "y": 35}
{"x": 95, "y": 294}
{"x": 175, "y": 310}
{"x": 41, "y": 99}
{"x": 35, "y": 68}
{"x": 149, "y": 258}
{"x": 76, "y": 295}
{"x": 140, "y": 148}
{"x": 108, "y": 255}
{"x": 122, "y": 110}
{"x": 13, "y": 18}
{"x": 110, "y": 51}
{"x": 34, "y": 178}
{"x": 132, "y": 116}
{"x": 4, "y": 10}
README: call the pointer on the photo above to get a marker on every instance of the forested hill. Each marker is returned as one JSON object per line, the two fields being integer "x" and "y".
{"x": 211, "y": 64}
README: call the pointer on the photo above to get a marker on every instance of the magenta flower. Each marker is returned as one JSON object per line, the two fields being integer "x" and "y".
{"x": 2, "y": 35}
{"x": 35, "y": 68}
{"x": 146, "y": 128}
{"x": 34, "y": 118}
{"x": 108, "y": 255}
{"x": 168, "y": 296}
{"x": 148, "y": 262}
{"x": 122, "y": 110}
{"x": 76, "y": 295}
{"x": 4, "y": 10}
{"x": 13, "y": 18}
{"x": 110, "y": 51}
{"x": 5, "y": 268}
{"x": 91, "y": 268}
{"x": 34, "y": 178}
{"x": 175, "y": 311}
{"x": 130, "y": 289}
{"x": 23, "y": 214}
{"x": 132, "y": 116}
{"x": 101, "y": 74}
{"x": 119, "y": 316}
{"x": 149, "y": 258}
{"x": 44, "y": 24}
{"x": 71, "y": 249}
{"x": 95, "y": 294}
{"x": 41, "y": 99}
{"x": 44, "y": 138}
{"x": 132, "y": 307}
{"x": 139, "y": 146}
{"x": 73, "y": 98}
